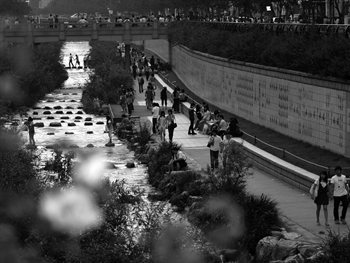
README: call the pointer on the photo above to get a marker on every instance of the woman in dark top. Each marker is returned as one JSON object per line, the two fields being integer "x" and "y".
{"x": 320, "y": 195}
{"x": 199, "y": 116}
{"x": 234, "y": 129}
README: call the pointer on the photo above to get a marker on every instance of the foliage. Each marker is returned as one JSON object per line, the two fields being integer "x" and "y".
{"x": 14, "y": 8}
{"x": 108, "y": 77}
{"x": 21, "y": 71}
{"x": 334, "y": 249}
{"x": 309, "y": 53}
{"x": 143, "y": 139}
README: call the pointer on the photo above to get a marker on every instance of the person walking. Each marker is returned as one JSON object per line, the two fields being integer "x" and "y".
{"x": 319, "y": 193}
{"x": 340, "y": 191}
{"x": 191, "y": 116}
{"x": 214, "y": 145}
{"x": 162, "y": 125}
{"x": 134, "y": 70}
{"x": 77, "y": 62}
{"x": 155, "y": 116}
{"x": 164, "y": 97}
{"x": 109, "y": 128}
{"x": 199, "y": 115}
{"x": 71, "y": 65}
{"x": 176, "y": 105}
{"x": 171, "y": 124}
{"x": 129, "y": 99}
{"x": 146, "y": 70}
{"x": 225, "y": 146}
{"x": 141, "y": 82}
{"x": 31, "y": 131}
{"x": 149, "y": 94}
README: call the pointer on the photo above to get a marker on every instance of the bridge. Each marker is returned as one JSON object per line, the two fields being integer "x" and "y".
{"x": 122, "y": 32}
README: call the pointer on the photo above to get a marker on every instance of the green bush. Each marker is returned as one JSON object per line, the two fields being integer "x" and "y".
{"x": 309, "y": 52}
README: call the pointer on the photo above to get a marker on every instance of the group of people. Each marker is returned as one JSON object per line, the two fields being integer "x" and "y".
{"x": 86, "y": 61}
{"x": 336, "y": 188}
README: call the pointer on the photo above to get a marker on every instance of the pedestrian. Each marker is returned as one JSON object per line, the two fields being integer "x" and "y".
{"x": 56, "y": 21}
{"x": 164, "y": 97}
{"x": 182, "y": 96}
{"x": 214, "y": 145}
{"x": 234, "y": 128}
{"x": 149, "y": 95}
{"x": 155, "y": 115}
{"x": 152, "y": 80}
{"x": 191, "y": 116}
{"x": 77, "y": 62}
{"x": 171, "y": 124}
{"x": 146, "y": 70}
{"x": 162, "y": 125}
{"x": 71, "y": 65}
{"x": 225, "y": 146}
{"x": 31, "y": 131}
{"x": 109, "y": 128}
{"x": 319, "y": 193}
{"x": 141, "y": 82}
{"x": 339, "y": 191}
{"x": 123, "y": 101}
{"x": 222, "y": 126}
{"x": 199, "y": 115}
{"x": 178, "y": 160}
{"x": 129, "y": 99}
{"x": 134, "y": 70}
{"x": 176, "y": 105}
{"x": 152, "y": 62}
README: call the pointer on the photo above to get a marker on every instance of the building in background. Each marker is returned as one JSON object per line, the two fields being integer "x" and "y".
{"x": 44, "y": 3}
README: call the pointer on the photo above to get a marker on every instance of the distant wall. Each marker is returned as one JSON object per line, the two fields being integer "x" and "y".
{"x": 159, "y": 47}
{"x": 293, "y": 103}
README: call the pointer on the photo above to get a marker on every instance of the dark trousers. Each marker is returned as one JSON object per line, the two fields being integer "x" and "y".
{"x": 130, "y": 106}
{"x": 154, "y": 122}
{"x": 171, "y": 133}
{"x": 344, "y": 200}
{"x": 147, "y": 75}
{"x": 164, "y": 102}
{"x": 214, "y": 159}
{"x": 190, "y": 129}
{"x": 176, "y": 105}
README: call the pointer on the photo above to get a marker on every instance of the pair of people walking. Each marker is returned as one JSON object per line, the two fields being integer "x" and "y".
{"x": 322, "y": 190}
{"x": 163, "y": 122}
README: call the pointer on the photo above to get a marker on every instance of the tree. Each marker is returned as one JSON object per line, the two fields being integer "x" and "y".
{"x": 14, "y": 8}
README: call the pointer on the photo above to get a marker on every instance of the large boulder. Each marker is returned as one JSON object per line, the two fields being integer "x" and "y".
{"x": 130, "y": 165}
{"x": 265, "y": 248}
{"x": 284, "y": 248}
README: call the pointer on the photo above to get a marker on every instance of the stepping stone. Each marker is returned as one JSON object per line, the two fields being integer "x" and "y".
{"x": 47, "y": 108}
{"x": 130, "y": 165}
{"x": 79, "y": 112}
{"x": 72, "y": 124}
{"x": 108, "y": 165}
{"x": 39, "y": 124}
{"x": 79, "y": 107}
{"x": 74, "y": 93}
{"x": 88, "y": 119}
{"x": 69, "y": 107}
{"x": 76, "y": 121}
{"x": 110, "y": 144}
{"x": 90, "y": 145}
{"x": 50, "y": 133}
{"x": 50, "y": 100}
{"x": 100, "y": 123}
{"x": 64, "y": 118}
{"x": 69, "y": 112}
{"x": 36, "y": 118}
{"x": 59, "y": 112}
{"x": 35, "y": 113}
{"x": 69, "y": 133}
{"x": 78, "y": 117}
{"x": 89, "y": 132}
{"x": 57, "y": 107}
{"x": 62, "y": 121}
{"x": 50, "y": 118}
{"x": 72, "y": 101}
{"x": 62, "y": 101}
{"x": 73, "y": 146}
{"x": 36, "y": 108}
{"x": 47, "y": 112}
{"x": 55, "y": 124}
{"x": 88, "y": 124}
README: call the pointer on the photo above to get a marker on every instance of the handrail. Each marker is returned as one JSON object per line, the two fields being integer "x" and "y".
{"x": 284, "y": 152}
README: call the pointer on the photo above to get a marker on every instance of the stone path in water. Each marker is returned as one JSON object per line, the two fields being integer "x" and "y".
{"x": 296, "y": 206}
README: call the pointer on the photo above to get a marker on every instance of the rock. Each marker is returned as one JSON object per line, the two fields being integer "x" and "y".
{"x": 69, "y": 107}
{"x": 69, "y": 133}
{"x": 284, "y": 248}
{"x": 89, "y": 132}
{"x": 76, "y": 121}
{"x": 90, "y": 145}
{"x": 71, "y": 124}
{"x": 39, "y": 124}
{"x": 36, "y": 108}
{"x": 50, "y": 133}
{"x": 50, "y": 118}
{"x": 79, "y": 107}
{"x": 110, "y": 144}
{"x": 295, "y": 259}
{"x": 47, "y": 112}
{"x": 290, "y": 235}
{"x": 62, "y": 100}
{"x": 64, "y": 118}
{"x": 50, "y": 100}
{"x": 156, "y": 196}
{"x": 78, "y": 117}
{"x": 59, "y": 112}
{"x": 31, "y": 147}
{"x": 88, "y": 123}
{"x": 69, "y": 112}
{"x": 57, "y": 107}
{"x": 62, "y": 121}
{"x": 74, "y": 93}
{"x": 37, "y": 118}
{"x": 100, "y": 123}
{"x": 72, "y": 101}
{"x": 47, "y": 108}
{"x": 108, "y": 165}
{"x": 315, "y": 256}
{"x": 265, "y": 248}
{"x": 73, "y": 146}
{"x": 230, "y": 255}
{"x": 88, "y": 119}
{"x": 55, "y": 124}
{"x": 130, "y": 165}
{"x": 35, "y": 113}
{"x": 79, "y": 112}
{"x": 308, "y": 250}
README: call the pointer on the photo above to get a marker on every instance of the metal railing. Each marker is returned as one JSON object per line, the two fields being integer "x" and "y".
{"x": 284, "y": 153}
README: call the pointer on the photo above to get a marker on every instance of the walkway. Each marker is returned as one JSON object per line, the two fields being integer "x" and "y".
{"x": 295, "y": 205}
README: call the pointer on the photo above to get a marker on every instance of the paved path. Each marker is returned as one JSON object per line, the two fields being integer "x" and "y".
{"x": 295, "y": 205}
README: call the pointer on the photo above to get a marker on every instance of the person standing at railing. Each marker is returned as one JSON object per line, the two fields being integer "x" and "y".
{"x": 340, "y": 192}
{"x": 50, "y": 19}
{"x": 56, "y": 21}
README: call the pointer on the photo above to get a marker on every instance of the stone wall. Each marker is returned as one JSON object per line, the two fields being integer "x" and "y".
{"x": 293, "y": 103}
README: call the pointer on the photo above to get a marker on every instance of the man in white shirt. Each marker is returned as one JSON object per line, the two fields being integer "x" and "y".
{"x": 340, "y": 191}
{"x": 155, "y": 115}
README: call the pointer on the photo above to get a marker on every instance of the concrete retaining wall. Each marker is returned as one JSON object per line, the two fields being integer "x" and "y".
{"x": 293, "y": 103}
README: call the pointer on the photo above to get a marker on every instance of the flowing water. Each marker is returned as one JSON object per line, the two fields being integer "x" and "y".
{"x": 68, "y": 97}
